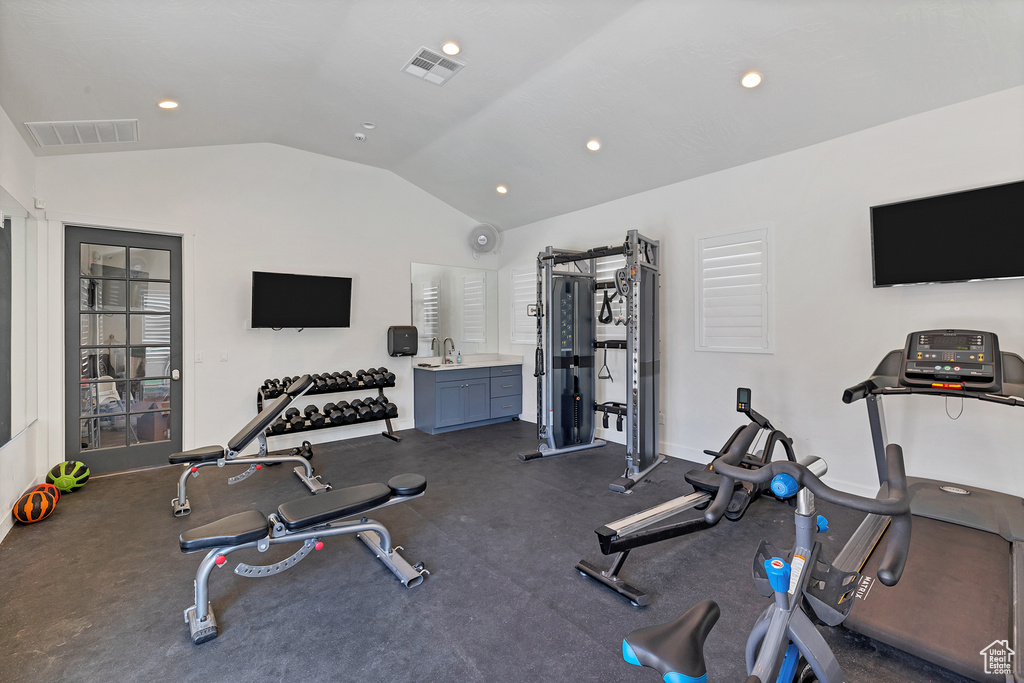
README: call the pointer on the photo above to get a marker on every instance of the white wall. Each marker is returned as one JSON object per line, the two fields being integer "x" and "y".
{"x": 831, "y": 326}
{"x": 260, "y": 207}
{"x": 23, "y": 460}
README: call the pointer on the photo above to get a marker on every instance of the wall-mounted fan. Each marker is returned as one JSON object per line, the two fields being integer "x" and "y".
{"x": 483, "y": 239}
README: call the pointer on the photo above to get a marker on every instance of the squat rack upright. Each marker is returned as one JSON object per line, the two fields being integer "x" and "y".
{"x": 565, "y": 365}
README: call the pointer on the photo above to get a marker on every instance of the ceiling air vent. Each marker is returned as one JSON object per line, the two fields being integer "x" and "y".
{"x": 60, "y": 133}
{"x": 432, "y": 67}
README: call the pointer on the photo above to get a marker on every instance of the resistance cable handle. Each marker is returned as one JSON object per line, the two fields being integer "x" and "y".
{"x": 605, "y": 316}
{"x": 896, "y": 505}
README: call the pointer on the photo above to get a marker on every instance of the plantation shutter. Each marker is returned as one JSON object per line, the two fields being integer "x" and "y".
{"x": 524, "y": 294}
{"x": 425, "y": 313}
{"x": 732, "y": 306}
{"x": 474, "y": 319}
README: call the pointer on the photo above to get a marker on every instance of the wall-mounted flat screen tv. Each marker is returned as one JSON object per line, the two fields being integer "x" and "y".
{"x": 289, "y": 300}
{"x": 971, "y": 235}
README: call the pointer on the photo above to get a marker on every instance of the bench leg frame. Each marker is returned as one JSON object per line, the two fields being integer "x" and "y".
{"x": 304, "y": 471}
{"x": 199, "y": 617}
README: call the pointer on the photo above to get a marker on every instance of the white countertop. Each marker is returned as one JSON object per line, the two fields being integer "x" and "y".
{"x": 480, "y": 360}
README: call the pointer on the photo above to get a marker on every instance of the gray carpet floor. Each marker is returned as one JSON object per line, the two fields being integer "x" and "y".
{"x": 97, "y": 591}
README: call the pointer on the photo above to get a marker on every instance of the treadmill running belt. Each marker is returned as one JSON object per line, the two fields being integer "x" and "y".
{"x": 951, "y": 604}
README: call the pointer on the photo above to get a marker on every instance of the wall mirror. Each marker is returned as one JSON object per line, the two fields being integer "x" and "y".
{"x": 461, "y": 303}
{"x": 18, "y": 316}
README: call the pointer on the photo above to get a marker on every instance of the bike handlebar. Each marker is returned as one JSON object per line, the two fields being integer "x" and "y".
{"x": 736, "y": 448}
{"x": 896, "y": 505}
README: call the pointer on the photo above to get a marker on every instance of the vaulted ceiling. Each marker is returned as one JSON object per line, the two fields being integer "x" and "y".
{"x": 655, "y": 81}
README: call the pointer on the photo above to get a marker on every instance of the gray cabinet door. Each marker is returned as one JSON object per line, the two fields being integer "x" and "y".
{"x": 478, "y": 400}
{"x": 451, "y": 408}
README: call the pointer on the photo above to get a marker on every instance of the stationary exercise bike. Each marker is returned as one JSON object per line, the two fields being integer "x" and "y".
{"x": 784, "y": 646}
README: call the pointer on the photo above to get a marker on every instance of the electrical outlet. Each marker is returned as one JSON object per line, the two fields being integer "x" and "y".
{"x": 199, "y": 356}
{"x": 661, "y": 418}
{"x": 223, "y": 356}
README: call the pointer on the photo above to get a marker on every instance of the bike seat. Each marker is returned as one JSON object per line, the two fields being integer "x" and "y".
{"x": 676, "y": 647}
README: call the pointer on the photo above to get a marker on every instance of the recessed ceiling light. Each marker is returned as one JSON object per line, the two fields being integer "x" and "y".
{"x": 451, "y": 49}
{"x": 593, "y": 145}
{"x": 501, "y": 189}
{"x": 751, "y": 80}
{"x": 167, "y": 104}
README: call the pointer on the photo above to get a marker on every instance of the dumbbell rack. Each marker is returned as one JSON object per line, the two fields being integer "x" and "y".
{"x": 390, "y": 433}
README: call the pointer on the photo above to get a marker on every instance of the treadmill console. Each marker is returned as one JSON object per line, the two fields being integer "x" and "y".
{"x": 952, "y": 359}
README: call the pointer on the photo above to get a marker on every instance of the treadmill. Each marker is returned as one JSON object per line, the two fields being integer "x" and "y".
{"x": 958, "y": 604}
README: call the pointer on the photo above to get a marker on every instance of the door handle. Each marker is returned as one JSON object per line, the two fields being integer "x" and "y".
{"x": 175, "y": 374}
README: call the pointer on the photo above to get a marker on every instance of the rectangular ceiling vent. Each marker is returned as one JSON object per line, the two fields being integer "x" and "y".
{"x": 61, "y": 133}
{"x": 432, "y": 67}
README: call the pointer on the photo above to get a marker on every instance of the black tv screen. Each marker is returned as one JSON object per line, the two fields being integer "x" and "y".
{"x": 971, "y": 235}
{"x": 288, "y": 300}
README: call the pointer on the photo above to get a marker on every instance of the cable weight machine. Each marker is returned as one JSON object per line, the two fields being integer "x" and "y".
{"x": 565, "y": 362}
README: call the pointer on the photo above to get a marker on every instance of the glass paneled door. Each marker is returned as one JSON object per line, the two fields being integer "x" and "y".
{"x": 123, "y": 345}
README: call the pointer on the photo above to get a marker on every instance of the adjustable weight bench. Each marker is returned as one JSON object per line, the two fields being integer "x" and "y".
{"x": 256, "y": 429}
{"x": 307, "y": 521}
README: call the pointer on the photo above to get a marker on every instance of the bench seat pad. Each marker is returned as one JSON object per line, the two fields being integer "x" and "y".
{"x": 244, "y": 527}
{"x": 201, "y": 454}
{"x": 335, "y": 504}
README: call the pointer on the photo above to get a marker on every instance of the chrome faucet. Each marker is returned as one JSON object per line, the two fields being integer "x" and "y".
{"x": 434, "y": 342}
{"x": 444, "y": 346}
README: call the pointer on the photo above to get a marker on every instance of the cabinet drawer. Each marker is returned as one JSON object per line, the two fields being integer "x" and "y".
{"x": 506, "y": 370}
{"x": 506, "y": 405}
{"x": 506, "y": 386}
{"x": 460, "y": 374}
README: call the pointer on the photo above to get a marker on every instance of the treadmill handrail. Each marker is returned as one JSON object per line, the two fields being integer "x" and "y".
{"x": 896, "y": 505}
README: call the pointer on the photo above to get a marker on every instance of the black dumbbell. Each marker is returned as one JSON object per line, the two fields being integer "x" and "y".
{"x": 377, "y": 411}
{"x": 334, "y": 414}
{"x": 390, "y": 409}
{"x": 362, "y": 409}
{"x": 294, "y": 418}
{"x": 315, "y": 417}
{"x": 389, "y": 379}
{"x": 331, "y": 384}
{"x": 278, "y": 426}
{"x": 346, "y": 414}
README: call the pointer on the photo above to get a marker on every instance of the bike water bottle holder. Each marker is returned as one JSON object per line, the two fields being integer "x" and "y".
{"x": 830, "y": 592}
